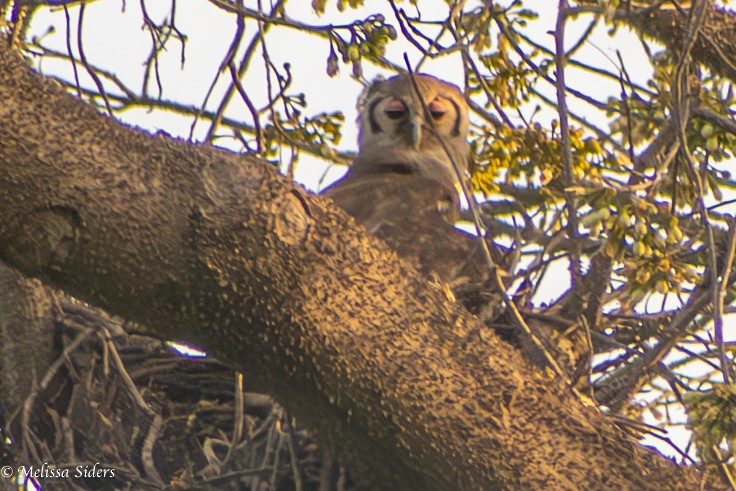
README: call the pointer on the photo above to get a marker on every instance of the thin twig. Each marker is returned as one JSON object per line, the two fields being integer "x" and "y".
{"x": 238, "y": 420}
{"x": 156, "y": 45}
{"x": 583, "y": 66}
{"x": 490, "y": 96}
{"x": 477, "y": 222}
{"x": 69, "y": 51}
{"x": 48, "y": 377}
{"x": 251, "y": 108}
{"x": 83, "y": 57}
{"x": 226, "y": 61}
{"x": 627, "y": 109}
{"x": 147, "y": 450}
{"x": 124, "y": 375}
{"x": 722, "y": 290}
{"x": 712, "y": 117}
{"x": 681, "y": 109}
{"x": 571, "y": 202}
{"x": 615, "y": 389}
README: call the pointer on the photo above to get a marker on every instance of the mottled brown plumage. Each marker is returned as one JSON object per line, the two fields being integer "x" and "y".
{"x": 402, "y": 186}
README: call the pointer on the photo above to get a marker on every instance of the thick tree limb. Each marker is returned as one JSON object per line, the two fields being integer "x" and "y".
{"x": 218, "y": 249}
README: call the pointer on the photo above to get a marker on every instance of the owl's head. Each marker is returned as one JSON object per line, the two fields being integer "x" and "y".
{"x": 397, "y": 135}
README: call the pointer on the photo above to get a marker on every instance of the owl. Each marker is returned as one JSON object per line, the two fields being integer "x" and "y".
{"x": 396, "y": 136}
{"x": 403, "y": 186}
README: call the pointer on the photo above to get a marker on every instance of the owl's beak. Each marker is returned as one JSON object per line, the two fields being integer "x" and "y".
{"x": 416, "y": 131}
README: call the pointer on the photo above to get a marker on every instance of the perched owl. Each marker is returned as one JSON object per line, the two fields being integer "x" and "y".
{"x": 403, "y": 186}
{"x": 396, "y": 136}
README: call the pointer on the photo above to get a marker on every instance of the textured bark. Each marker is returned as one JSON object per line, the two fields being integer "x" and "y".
{"x": 26, "y": 336}
{"x": 218, "y": 249}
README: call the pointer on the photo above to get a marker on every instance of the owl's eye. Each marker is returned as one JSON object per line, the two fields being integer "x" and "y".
{"x": 437, "y": 109}
{"x": 395, "y": 109}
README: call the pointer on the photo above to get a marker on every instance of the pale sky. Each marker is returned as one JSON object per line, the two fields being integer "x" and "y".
{"x": 123, "y": 45}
